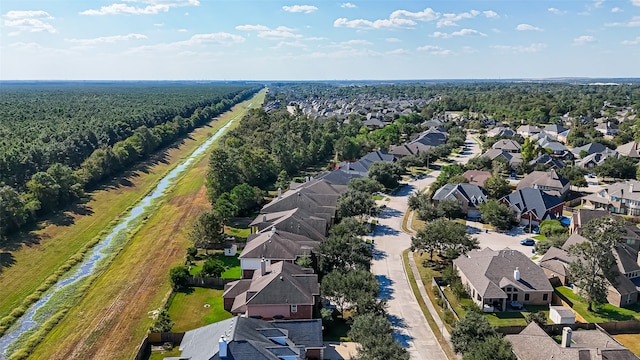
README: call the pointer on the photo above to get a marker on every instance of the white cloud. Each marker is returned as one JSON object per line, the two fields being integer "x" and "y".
{"x": 556, "y": 11}
{"x": 434, "y": 50}
{"x": 616, "y": 10}
{"x": 583, "y": 40}
{"x": 152, "y": 7}
{"x": 399, "y": 51}
{"x": 636, "y": 41}
{"x": 452, "y": 19}
{"x": 527, "y": 27}
{"x": 598, "y": 3}
{"x": 183, "y": 30}
{"x": 355, "y": 42}
{"x": 533, "y": 48}
{"x": 634, "y": 22}
{"x": 393, "y": 40}
{"x": 28, "y": 21}
{"x": 463, "y": 32}
{"x": 635, "y": 2}
{"x": 469, "y": 50}
{"x": 265, "y": 32}
{"x": 285, "y": 44}
{"x": 307, "y": 9}
{"x": 490, "y": 14}
{"x": 348, "y": 5}
{"x": 106, "y": 39}
{"x": 397, "y": 19}
{"x": 220, "y": 38}
{"x": 158, "y": 25}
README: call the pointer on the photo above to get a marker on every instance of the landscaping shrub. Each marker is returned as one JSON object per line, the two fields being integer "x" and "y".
{"x": 458, "y": 290}
{"x": 448, "y": 317}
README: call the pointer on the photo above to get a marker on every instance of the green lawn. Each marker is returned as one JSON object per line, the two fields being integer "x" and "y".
{"x": 377, "y": 197}
{"x": 187, "y": 309}
{"x": 237, "y": 231}
{"x": 515, "y": 318}
{"x": 601, "y": 313}
{"x": 337, "y": 330}
{"x": 232, "y": 263}
{"x": 540, "y": 237}
{"x": 160, "y": 355}
{"x": 630, "y": 341}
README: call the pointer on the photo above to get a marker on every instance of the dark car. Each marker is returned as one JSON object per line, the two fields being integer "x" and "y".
{"x": 527, "y": 242}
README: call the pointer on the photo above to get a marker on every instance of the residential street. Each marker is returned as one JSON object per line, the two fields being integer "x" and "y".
{"x": 390, "y": 241}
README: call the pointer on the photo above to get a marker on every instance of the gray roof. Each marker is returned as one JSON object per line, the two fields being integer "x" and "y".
{"x": 249, "y": 338}
{"x": 362, "y": 166}
{"x": 500, "y": 131}
{"x": 548, "y": 160}
{"x": 513, "y": 158}
{"x": 337, "y": 177}
{"x": 296, "y": 221}
{"x": 554, "y": 146}
{"x": 550, "y": 179}
{"x": 316, "y": 196}
{"x": 534, "y": 344}
{"x": 630, "y": 149}
{"x": 489, "y": 271}
{"x": 529, "y": 129}
{"x": 278, "y": 245}
{"x": 473, "y": 194}
{"x": 533, "y": 200}
{"x": 590, "y": 148}
{"x": 506, "y": 144}
{"x": 596, "y": 158}
{"x": 554, "y": 128}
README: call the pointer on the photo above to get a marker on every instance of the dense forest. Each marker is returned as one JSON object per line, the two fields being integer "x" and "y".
{"x": 57, "y": 139}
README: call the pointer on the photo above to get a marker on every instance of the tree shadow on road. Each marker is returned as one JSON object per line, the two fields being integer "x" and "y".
{"x": 390, "y": 213}
{"x": 379, "y": 254}
{"x": 403, "y": 339}
{"x": 386, "y": 230}
{"x": 397, "y": 321}
{"x": 386, "y": 290}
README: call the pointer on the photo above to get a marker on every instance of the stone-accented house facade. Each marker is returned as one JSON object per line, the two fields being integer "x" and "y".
{"x": 618, "y": 198}
{"x": 494, "y": 278}
{"x": 532, "y": 206}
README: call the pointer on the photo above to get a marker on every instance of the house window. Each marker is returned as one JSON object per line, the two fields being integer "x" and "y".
{"x": 545, "y": 297}
{"x": 526, "y": 297}
{"x": 515, "y": 297}
{"x": 294, "y": 308}
{"x": 628, "y": 301}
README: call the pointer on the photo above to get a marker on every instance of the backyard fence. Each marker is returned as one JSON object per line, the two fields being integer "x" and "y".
{"x": 435, "y": 283}
{"x": 208, "y": 282}
{"x": 144, "y": 350}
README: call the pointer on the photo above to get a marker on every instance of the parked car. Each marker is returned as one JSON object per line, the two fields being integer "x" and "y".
{"x": 527, "y": 242}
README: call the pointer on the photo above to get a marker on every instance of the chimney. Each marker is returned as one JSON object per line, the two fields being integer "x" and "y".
{"x": 263, "y": 267}
{"x": 273, "y": 230}
{"x": 516, "y": 274}
{"x": 630, "y": 187}
{"x": 279, "y": 193}
{"x": 222, "y": 347}
{"x": 566, "y": 337}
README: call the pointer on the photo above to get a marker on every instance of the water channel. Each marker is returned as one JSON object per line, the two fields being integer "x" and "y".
{"x": 35, "y": 316}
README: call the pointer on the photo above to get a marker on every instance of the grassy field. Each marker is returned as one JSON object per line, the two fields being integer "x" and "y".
{"x": 187, "y": 309}
{"x": 119, "y": 303}
{"x": 601, "y": 313}
{"x": 631, "y": 341}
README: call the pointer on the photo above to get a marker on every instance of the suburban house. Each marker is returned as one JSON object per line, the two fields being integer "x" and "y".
{"x": 514, "y": 159}
{"x": 589, "y": 149}
{"x": 247, "y": 338}
{"x": 617, "y": 198}
{"x": 554, "y": 130}
{"x": 477, "y": 177}
{"x": 528, "y": 130}
{"x": 556, "y": 148}
{"x": 548, "y": 161}
{"x": 624, "y": 290}
{"x": 273, "y": 246}
{"x": 318, "y": 197}
{"x": 562, "y": 137}
{"x": 548, "y": 181}
{"x": 533, "y": 343}
{"x": 608, "y": 129}
{"x": 581, "y": 217}
{"x": 295, "y": 221}
{"x": 280, "y": 291}
{"x": 532, "y": 206}
{"x": 468, "y": 196}
{"x": 630, "y": 149}
{"x": 592, "y": 160}
{"x": 335, "y": 177}
{"x": 361, "y": 167}
{"x": 500, "y": 131}
{"x": 507, "y": 145}
{"x": 424, "y": 142}
{"x": 495, "y": 278}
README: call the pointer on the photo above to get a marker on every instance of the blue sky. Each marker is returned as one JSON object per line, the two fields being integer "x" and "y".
{"x": 324, "y": 40}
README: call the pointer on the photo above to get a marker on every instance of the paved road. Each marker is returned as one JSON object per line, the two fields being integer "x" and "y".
{"x": 412, "y": 330}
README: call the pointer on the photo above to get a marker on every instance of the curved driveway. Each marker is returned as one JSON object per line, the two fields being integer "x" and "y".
{"x": 411, "y": 328}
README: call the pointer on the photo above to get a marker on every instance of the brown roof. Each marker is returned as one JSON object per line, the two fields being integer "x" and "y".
{"x": 477, "y": 177}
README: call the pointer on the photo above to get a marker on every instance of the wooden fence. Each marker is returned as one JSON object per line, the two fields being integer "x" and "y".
{"x": 144, "y": 350}
{"x": 208, "y": 282}
{"x": 434, "y": 283}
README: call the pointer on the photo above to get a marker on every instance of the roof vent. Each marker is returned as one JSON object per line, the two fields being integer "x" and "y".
{"x": 273, "y": 230}
{"x": 516, "y": 274}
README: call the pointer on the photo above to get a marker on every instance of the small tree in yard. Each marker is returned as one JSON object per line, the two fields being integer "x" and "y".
{"x": 354, "y": 203}
{"x": 386, "y": 173}
{"x": 550, "y": 228}
{"x": 443, "y": 236}
{"x": 163, "y": 322}
{"x": 346, "y": 288}
{"x": 472, "y": 329}
{"x": 497, "y": 214}
{"x": 497, "y": 186}
{"x": 178, "y": 276}
{"x": 538, "y": 317}
{"x": 213, "y": 268}
{"x": 373, "y": 333}
{"x": 450, "y": 209}
{"x": 208, "y": 231}
{"x": 593, "y": 270}
{"x": 493, "y": 347}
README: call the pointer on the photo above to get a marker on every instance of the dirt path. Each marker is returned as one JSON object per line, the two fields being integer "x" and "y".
{"x": 114, "y": 315}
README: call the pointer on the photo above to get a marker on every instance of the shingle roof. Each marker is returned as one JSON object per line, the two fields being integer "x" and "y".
{"x": 534, "y": 344}
{"x": 488, "y": 271}
{"x": 506, "y": 144}
{"x": 533, "y": 200}
{"x": 337, "y": 177}
{"x": 529, "y": 129}
{"x": 550, "y": 179}
{"x": 590, "y": 148}
{"x": 246, "y": 339}
{"x": 631, "y": 149}
{"x": 295, "y": 221}
{"x": 477, "y": 177}
{"x": 546, "y": 159}
{"x": 474, "y": 194}
{"x": 555, "y": 128}
{"x": 277, "y": 244}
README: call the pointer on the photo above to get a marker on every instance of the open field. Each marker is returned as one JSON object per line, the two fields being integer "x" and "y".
{"x": 631, "y": 341}
{"x": 187, "y": 309}
{"x": 114, "y": 315}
